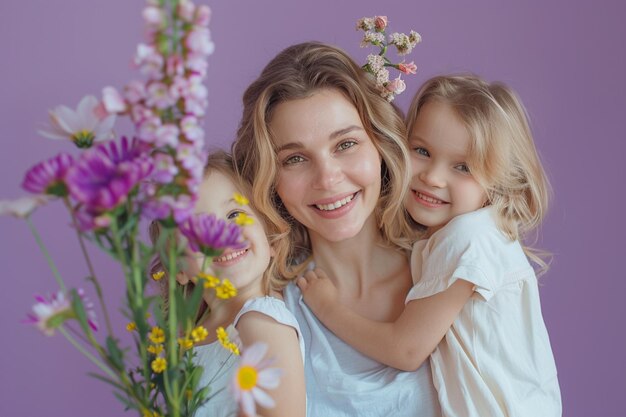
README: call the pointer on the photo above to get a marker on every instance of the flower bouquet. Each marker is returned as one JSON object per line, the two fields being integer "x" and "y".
{"x": 109, "y": 186}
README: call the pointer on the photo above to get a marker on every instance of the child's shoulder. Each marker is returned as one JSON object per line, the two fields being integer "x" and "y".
{"x": 474, "y": 231}
{"x": 268, "y": 309}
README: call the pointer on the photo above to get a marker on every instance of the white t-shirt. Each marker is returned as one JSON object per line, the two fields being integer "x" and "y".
{"x": 496, "y": 358}
{"x": 341, "y": 382}
{"x": 219, "y": 363}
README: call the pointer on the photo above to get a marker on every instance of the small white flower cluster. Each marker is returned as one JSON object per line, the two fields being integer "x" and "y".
{"x": 374, "y": 28}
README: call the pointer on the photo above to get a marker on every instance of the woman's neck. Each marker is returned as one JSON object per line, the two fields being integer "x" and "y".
{"x": 355, "y": 264}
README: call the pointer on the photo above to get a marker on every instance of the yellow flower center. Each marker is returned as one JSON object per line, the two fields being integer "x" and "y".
{"x": 247, "y": 377}
{"x": 83, "y": 138}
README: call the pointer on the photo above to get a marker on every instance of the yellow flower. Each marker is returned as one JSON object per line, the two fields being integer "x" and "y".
{"x": 132, "y": 326}
{"x": 159, "y": 365}
{"x": 189, "y": 394}
{"x": 225, "y": 341}
{"x": 199, "y": 334}
{"x": 209, "y": 280}
{"x": 158, "y": 275}
{"x": 155, "y": 349}
{"x": 244, "y": 220}
{"x": 157, "y": 335}
{"x": 226, "y": 290}
{"x": 185, "y": 343}
{"x": 150, "y": 413}
{"x": 241, "y": 199}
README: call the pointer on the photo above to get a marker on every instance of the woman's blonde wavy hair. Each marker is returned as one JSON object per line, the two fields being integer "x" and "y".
{"x": 502, "y": 154}
{"x": 222, "y": 162}
{"x": 296, "y": 73}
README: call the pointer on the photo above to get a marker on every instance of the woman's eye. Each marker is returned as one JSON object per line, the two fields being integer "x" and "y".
{"x": 346, "y": 144}
{"x": 422, "y": 151}
{"x": 295, "y": 159}
{"x": 462, "y": 168}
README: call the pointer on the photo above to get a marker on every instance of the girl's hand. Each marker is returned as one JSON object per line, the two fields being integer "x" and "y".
{"x": 319, "y": 293}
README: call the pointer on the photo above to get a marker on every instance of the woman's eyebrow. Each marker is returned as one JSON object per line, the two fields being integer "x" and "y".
{"x": 334, "y": 135}
{"x": 343, "y": 131}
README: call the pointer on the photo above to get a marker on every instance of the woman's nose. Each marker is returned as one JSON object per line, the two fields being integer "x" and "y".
{"x": 328, "y": 174}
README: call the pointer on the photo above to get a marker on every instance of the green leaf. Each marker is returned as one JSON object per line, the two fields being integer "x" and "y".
{"x": 107, "y": 380}
{"x": 125, "y": 401}
{"x": 115, "y": 354}
{"x": 79, "y": 310}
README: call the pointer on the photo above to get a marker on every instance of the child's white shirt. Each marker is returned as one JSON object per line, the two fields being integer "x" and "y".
{"x": 219, "y": 363}
{"x": 496, "y": 359}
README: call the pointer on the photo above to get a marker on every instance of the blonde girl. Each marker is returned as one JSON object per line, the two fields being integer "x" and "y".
{"x": 257, "y": 313}
{"x": 327, "y": 158}
{"x": 477, "y": 189}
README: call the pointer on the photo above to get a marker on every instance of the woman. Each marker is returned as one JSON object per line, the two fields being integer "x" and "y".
{"x": 326, "y": 156}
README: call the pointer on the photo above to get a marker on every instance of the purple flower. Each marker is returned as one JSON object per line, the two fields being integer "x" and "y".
{"x": 105, "y": 175}
{"x": 48, "y": 177}
{"x": 178, "y": 208}
{"x": 210, "y": 235}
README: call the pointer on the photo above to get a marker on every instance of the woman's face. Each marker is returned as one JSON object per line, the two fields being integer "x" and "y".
{"x": 329, "y": 169}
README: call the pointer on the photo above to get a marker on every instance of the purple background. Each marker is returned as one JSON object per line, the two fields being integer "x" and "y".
{"x": 566, "y": 59}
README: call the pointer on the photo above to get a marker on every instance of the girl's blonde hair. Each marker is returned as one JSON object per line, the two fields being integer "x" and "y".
{"x": 222, "y": 162}
{"x": 502, "y": 154}
{"x": 299, "y": 72}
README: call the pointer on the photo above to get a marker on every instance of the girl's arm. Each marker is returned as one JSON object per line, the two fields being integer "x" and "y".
{"x": 284, "y": 348}
{"x": 404, "y": 344}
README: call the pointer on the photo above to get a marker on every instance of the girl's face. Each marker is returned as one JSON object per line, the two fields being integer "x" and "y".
{"x": 329, "y": 169}
{"x": 243, "y": 267}
{"x": 441, "y": 186}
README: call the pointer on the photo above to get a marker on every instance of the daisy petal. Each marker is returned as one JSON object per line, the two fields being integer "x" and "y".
{"x": 247, "y": 404}
{"x": 269, "y": 378}
{"x": 263, "y": 398}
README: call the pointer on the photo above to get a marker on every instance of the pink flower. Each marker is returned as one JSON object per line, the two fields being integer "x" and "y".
{"x": 199, "y": 41}
{"x": 164, "y": 168}
{"x": 50, "y": 313}
{"x": 149, "y": 60}
{"x": 113, "y": 101}
{"x": 253, "y": 374}
{"x": 380, "y": 22}
{"x": 396, "y": 86}
{"x": 167, "y": 135}
{"x": 158, "y": 96}
{"x": 174, "y": 66}
{"x": 186, "y": 10}
{"x": 195, "y": 107}
{"x": 135, "y": 91}
{"x": 409, "y": 68}
{"x": 153, "y": 16}
{"x": 22, "y": 207}
{"x": 191, "y": 129}
{"x": 197, "y": 63}
{"x": 148, "y": 128}
{"x": 83, "y": 126}
{"x": 203, "y": 15}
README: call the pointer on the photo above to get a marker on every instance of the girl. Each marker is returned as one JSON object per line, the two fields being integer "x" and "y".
{"x": 257, "y": 312}
{"x": 326, "y": 156}
{"x": 477, "y": 188}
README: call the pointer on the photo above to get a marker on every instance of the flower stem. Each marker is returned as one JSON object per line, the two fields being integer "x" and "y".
{"x": 89, "y": 356}
{"x": 43, "y": 249}
{"x": 92, "y": 271}
{"x": 172, "y": 321}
